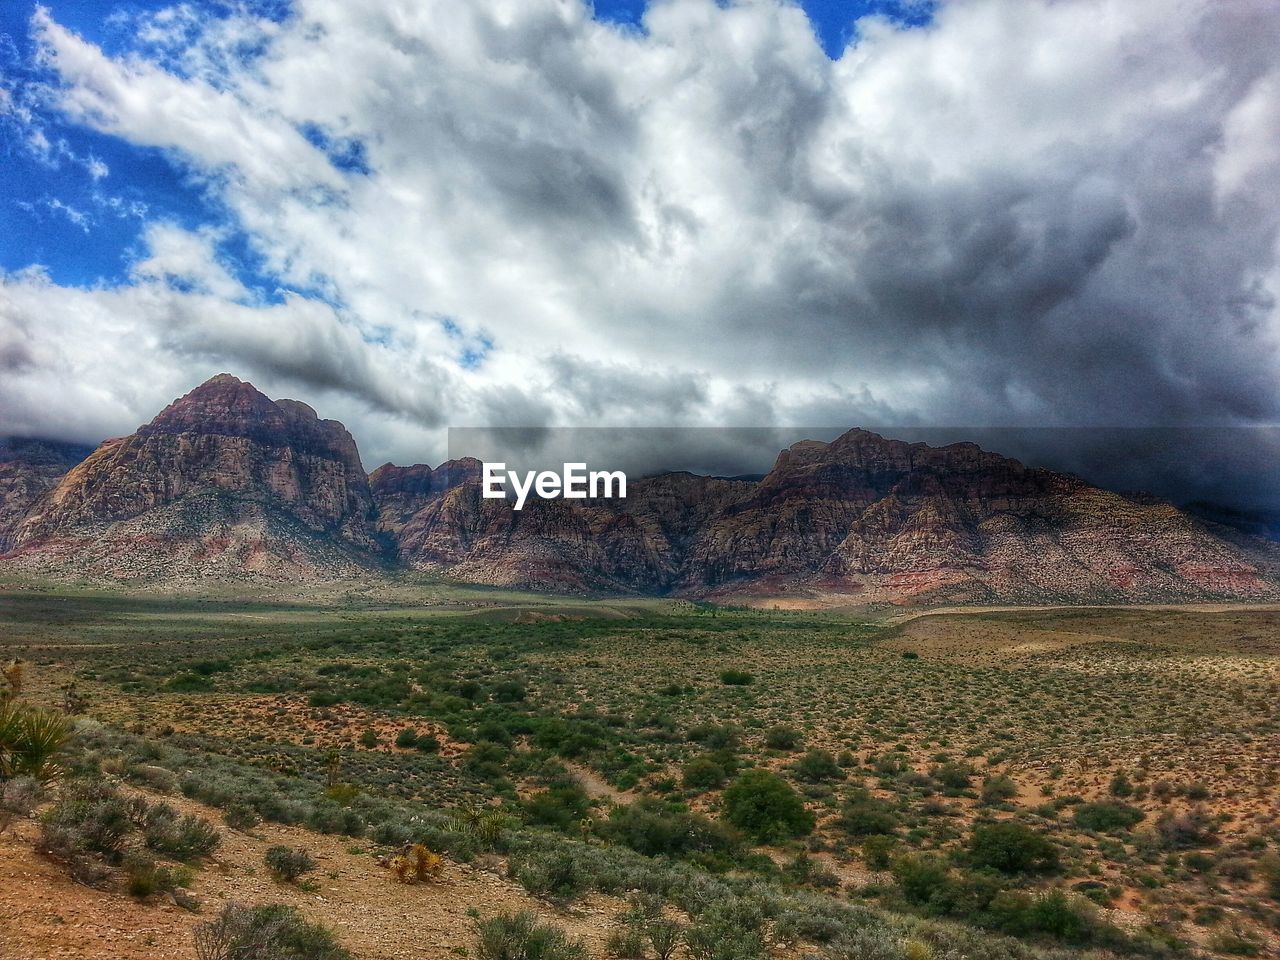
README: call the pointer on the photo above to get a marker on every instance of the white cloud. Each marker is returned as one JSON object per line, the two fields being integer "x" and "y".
{"x": 1027, "y": 212}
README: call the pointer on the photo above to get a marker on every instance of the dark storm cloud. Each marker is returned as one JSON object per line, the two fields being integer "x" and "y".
{"x": 1027, "y": 214}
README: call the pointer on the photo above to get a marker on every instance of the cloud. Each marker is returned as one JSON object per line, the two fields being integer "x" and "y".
{"x": 1033, "y": 213}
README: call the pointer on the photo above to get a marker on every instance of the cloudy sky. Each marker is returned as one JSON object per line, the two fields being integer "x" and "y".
{"x": 421, "y": 213}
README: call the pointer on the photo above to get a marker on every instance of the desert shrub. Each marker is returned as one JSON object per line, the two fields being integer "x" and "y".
{"x": 818, "y": 766}
{"x": 1107, "y": 816}
{"x": 765, "y": 807}
{"x": 1011, "y": 847}
{"x": 736, "y": 678}
{"x": 155, "y": 778}
{"x": 920, "y": 877}
{"x": 715, "y": 736}
{"x": 188, "y": 682}
{"x": 953, "y": 776}
{"x": 782, "y": 737}
{"x": 877, "y": 851}
{"x": 241, "y": 816}
{"x": 519, "y": 936}
{"x": 31, "y": 738}
{"x": 804, "y": 924}
{"x": 864, "y": 815}
{"x": 20, "y": 795}
{"x": 665, "y": 936}
{"x": 866, "y": 944}
{"x": 1120, "y": 785}
{"x": 626, "y": 942}
{"x": 188, "y": 837}
{"x": 288, "y": 863}
{"x": 703, "y": 773}
{"x": 1052, "y": 913}
{"x": 729, "y": 929}
{"x": 1235, "y": 942}
{"x": 562, "y": 807}
{"x": 549, "y": 873}
{"x": 653, "y": 828}
{"x": 90, "y": 818}
{"x": 997, "y": 789}
{"x": 274, "y": 932}
{"x": 407, "y": 738}
{"x": 1269, "y": 868}
{"x": 1191, "y": 828}
{"x": 144, "y": 876}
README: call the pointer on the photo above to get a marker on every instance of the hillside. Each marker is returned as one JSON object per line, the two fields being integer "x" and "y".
{"x": 226, "y": 484}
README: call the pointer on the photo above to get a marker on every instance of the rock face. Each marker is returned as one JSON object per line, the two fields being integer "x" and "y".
{"x": 862, "y": 516}
{"x": 223, "y": 481}
{"x": 227, "y": 483}
{"x": 30, "y": 468}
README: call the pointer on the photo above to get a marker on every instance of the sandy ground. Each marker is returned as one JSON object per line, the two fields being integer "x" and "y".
{"x": 44, "y": 915}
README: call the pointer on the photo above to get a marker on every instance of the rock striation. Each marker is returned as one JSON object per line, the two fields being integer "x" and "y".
{"x": 225, "y": 482}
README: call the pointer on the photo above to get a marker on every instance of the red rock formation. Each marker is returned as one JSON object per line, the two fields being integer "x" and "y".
{"x": 223, "y": 478}
{"x": 225, "y": 482}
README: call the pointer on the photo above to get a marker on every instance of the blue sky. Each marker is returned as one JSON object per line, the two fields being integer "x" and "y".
{"x": 85, "y": 230}
{"x": 1005, "y": 212}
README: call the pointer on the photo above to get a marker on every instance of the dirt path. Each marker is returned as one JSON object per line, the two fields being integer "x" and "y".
{"x": 1184, "y": 607}
{"x": 45, "y": 916}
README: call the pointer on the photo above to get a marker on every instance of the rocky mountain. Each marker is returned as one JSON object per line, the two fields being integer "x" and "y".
{"x": 225, "y": 482}
{"x": 863, "y": 517}
{"x": 30, "y": 468}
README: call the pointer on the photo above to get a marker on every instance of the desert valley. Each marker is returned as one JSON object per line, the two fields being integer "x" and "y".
{"x": 888, "y": 700}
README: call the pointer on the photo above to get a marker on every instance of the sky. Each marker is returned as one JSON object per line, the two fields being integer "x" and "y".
{"x": 416, "y": 214}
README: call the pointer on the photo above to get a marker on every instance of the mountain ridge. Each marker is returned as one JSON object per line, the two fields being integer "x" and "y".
{"x": 226, "y": 483}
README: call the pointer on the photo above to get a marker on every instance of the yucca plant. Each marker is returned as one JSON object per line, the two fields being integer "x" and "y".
{"x": 30, "y": 740}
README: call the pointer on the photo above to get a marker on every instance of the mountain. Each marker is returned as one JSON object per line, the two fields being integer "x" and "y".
{"x": 863, "y": 517}
{"x": 223, "y": 481}
{"x": 30, "y": 468}
{"x": 228, "y": 483}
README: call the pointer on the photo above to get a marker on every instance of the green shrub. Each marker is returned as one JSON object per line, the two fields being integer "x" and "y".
{"x": 1011, "y": 847}
{"x": 276, "y": 932}
{"x": 818, "y": 766}
{"x": 954, "y": 776}
{"x": 626, "y": 942}
{"x": 184, "y": 838}
{"x": 652, "y": 828}
{"x": 562, "y": 807}
{"x": 729, "y": 929}
{"x": 877, "y": 851}
{"x": 920, "y": 876}
{"x": 188, "y": 682}
{"x": 783, "y": 737}
{"x": 407, "y": 738}
{"x": 998, "y": 789}
{"x": 736, "y": 678}
{"x": 1121, "y": 785}
{"x": 288, "y": 863}
{"x": 864, "y": 815}
{"x": 86, "y": 829}
{"x": 1107, "y": 816}
{"x": 765, "y": 807}
{"x": 519, "y": 936}
{"x": 31, "y": 739}
{"x": 1192, "y": 828}
{"x": 703, "y": 773}
{"x": 549, "y": 873}
{"x": 144, "y": 877}
{"x": 241, "y": 816}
